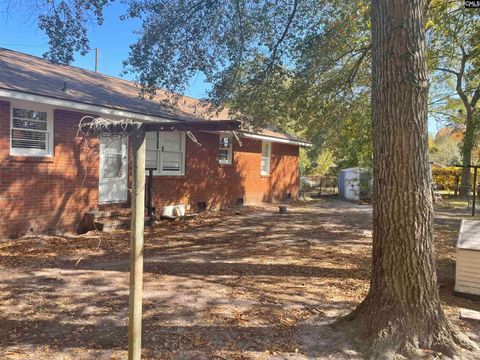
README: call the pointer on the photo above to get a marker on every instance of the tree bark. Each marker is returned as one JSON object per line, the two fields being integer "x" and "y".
{"x": 402, "y": 311}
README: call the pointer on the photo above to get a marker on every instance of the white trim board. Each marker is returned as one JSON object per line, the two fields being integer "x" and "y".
{"x": 102, "y": 110}
{"x": 274, "y": 139}
{"x": 69, "y": 104}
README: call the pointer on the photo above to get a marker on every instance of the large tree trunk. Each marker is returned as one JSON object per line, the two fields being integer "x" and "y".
{"x": 467, "y": 147}
{"x": 402, "y": 311}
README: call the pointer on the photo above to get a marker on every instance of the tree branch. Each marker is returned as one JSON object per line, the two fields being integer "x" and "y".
{"x": 284, "y": 34}
{"x": 476, "y": 97}
{"x": 448, "y": 70}
{"x": 445, "y": 114}
{"x": 459, "y": 74}
{"x": 354, "y": 72}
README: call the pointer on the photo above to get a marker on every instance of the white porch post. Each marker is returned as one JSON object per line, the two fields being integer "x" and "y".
{"x": 136, "y": 246}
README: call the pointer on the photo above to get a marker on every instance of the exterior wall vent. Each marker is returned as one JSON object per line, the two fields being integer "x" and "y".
{"x": 201, "y": 206}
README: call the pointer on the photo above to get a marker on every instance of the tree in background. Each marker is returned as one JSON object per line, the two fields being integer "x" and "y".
{"x": 454, "y": 57}
{"x": 322, "y": 164}
{"x": 306, "y": 64}
{"x": 444, "y": 148}
{"x": 65, "y": 22}
{"x": 331, "y": 64}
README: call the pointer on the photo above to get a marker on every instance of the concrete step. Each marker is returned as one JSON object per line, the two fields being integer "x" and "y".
{"x": 107, "y": 224}
{"x": 96, "y": 213}
{"x": 111, "y": 224}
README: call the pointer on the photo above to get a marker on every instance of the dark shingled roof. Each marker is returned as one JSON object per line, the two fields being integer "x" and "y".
{"x": 34, "y": 75}
{"x": 469, "y": 237}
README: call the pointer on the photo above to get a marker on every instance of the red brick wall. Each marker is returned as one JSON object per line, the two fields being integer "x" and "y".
{"x": 46, "y": 194}
{"x": 207, "y": 181}
{"x": 52, "y": 193}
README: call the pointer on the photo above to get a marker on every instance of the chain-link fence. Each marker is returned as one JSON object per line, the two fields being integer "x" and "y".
{"x": 315, "y": 186}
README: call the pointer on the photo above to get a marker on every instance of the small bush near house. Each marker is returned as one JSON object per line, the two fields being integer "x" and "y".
{"x": 365, "y": 185}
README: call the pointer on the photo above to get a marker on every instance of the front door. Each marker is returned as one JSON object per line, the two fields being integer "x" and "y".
{"x": 113, "y": 170}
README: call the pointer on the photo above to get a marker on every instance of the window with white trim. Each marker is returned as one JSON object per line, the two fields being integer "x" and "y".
{"x": 165, "y": 152}
{"x": 265, "y": 164}
{"x": 31, "y": 130}
{"x": 225, "y": 149}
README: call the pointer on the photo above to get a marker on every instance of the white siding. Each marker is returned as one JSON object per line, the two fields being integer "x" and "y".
{"x": 467, "y": 276}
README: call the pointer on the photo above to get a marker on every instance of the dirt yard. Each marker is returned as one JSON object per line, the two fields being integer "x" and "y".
{"x": 250, "y": 284}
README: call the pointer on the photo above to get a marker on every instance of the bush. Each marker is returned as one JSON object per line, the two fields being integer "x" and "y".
{"x": 365, "y": 185}
{"x": 447, "y": 178}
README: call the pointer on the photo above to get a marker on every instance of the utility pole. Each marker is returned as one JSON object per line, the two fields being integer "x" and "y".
{"x": 96, "y": 59}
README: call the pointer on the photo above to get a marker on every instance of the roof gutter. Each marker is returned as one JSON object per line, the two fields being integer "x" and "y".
{"x": 96, "y": 109}
{"x": 103, "y": 110}
{"x": 275, "y": 139}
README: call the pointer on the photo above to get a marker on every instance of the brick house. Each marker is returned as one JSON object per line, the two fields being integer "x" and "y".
{"x": 50, "y": 176}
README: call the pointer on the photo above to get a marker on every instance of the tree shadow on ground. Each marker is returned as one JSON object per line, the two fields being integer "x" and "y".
{"x": 248, "y": 285}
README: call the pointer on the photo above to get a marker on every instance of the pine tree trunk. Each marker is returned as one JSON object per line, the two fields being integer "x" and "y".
{"x": 402, "y": 311}
{"x": 467, "y": 148}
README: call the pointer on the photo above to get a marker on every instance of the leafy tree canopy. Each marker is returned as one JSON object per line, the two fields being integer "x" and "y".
{"x": 66, "y": 23}
{"x": 453, "y": 36}
{"x": 301, "y": 65}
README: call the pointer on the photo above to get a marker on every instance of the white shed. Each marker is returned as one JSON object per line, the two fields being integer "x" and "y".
{"x": 467, "y": 274}
{"x": 348, "y": 183}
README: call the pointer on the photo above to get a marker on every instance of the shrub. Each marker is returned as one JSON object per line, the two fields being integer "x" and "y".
{"x": 447, "y": 178}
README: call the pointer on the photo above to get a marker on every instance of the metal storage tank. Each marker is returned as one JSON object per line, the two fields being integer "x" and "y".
{"x": 348, "y": 183}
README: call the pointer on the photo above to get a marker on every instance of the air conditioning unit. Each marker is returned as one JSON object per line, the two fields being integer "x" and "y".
{"x": 173, "y": 211}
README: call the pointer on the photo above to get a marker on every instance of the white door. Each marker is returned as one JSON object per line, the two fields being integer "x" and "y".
{"x": 113, "y": 170}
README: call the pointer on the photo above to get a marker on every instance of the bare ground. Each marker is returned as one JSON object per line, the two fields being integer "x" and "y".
{"x": 251, "y": 284}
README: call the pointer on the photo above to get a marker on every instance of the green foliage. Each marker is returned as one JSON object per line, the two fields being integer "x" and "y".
{"x": 453, "y": 36}
{"x": 351, "y": 141}
{"x": 65, "y": 23}
{"x": 313, "y": 164}
{"x": 365, "y": 185}
{"x": 445, "y": 150}
{"x": 301, "y": 65}
{"x": 453, "y": 42}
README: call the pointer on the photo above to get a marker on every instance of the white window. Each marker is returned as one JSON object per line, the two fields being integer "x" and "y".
{"x": 165, "y": 152}
{"x": 265, "y": 165}
{"x": 31, "y": 130}
{"x": 225, "y": 149}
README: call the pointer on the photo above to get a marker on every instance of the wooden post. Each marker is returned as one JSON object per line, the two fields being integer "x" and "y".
{"x": 96, "y": 59}
{"x": 474, "y": 189}
{"x": 150, "y": 195}
{"x": 457, "y": 182}
{"x": 136, "y": 246}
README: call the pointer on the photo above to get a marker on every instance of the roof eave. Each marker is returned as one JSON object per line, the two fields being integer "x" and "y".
{"x": 80, "y": 106}
{"x": 205, "y": 125}
{"x": 276, "y": 139}
{"x": 196, "y": 125}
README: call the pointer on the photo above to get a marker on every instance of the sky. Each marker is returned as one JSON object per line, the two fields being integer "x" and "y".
{"x": 112, "y": 39}
{"x": 20, "y": 33}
